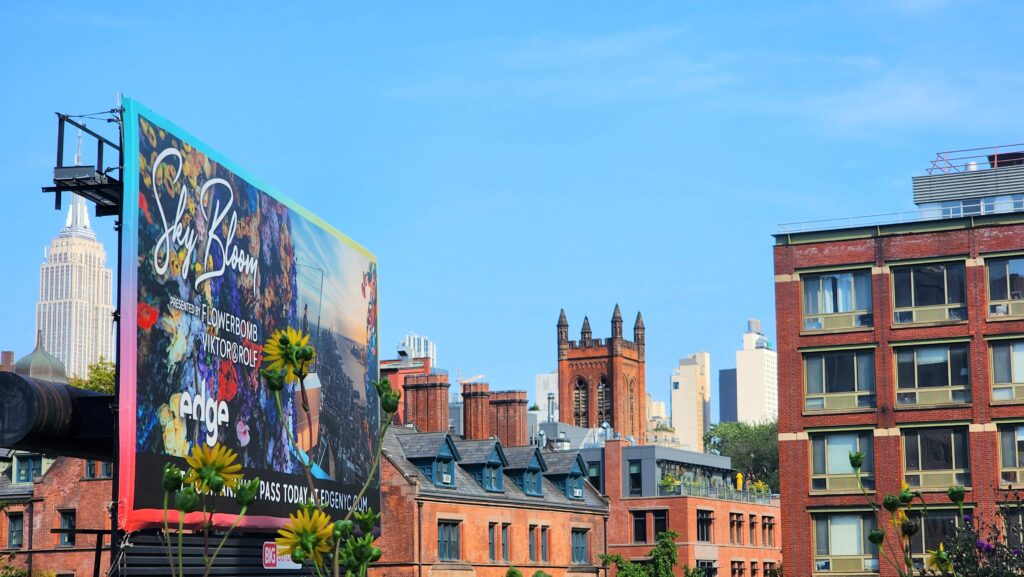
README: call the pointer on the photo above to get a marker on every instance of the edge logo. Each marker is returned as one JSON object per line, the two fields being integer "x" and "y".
{"x": 205, "y": 409}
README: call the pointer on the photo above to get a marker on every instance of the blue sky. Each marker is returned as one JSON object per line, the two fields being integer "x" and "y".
{"x": 504, "y": 161}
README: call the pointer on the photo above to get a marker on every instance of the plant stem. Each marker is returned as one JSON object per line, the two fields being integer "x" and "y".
{"x": 308, "y": 464}
{"x": 167, "y": 534}
{"x": 209, "y": 563}
{"x": 373, "y": 467}
{"x": 309, "y": 456}
{"x": 181, "y": 529}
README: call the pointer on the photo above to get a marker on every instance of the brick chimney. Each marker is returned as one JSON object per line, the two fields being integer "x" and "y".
{"x": 476, "y": 411}
{"x": 508, "y": 417}
{"x": 426, "y": 402}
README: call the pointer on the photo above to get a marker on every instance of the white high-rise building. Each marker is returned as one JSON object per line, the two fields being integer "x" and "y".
{"x": 75, "y": 309}
{"x": 420, "y": 347}
{"x": 757, "y": 378}
{"x": 690, "y": 397}
{"x": 547, "y": 396}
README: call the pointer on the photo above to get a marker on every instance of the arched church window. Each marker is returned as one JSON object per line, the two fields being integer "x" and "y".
{"x": 580, "y": 415}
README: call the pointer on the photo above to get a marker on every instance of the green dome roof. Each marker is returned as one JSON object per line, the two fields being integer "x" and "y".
{"x": 40, "y": 364}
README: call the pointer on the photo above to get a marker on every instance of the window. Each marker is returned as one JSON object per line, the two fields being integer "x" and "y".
{"x": 580, "y": 547}
{"x": 837, "y": 380}
{"x": 90, "y": 469}
{"x": 532, "y": 483}
{"x": 448, "y": 540}
{"x": 937, "y": 527}
{"x": 491, "y": 534}
{"x": 705, "y": 521}
{"x": 67, "y": 521}
{"x": 929, "y": 292}
{"x": 660, "y": 522}
{"x": 504, "y": 541}
{"x": 444, "y": 472}
{"x": 936, "y": 458}
{"x": 708, "y": 567}
{"x": 1005, "y": 286}
{"x": 1008, "y": 371}
{"x": 736, "y": 528}
{"x": 15, "y": 530}
{"x": 28, "y": 467}
{"x": 635, "y": 478}
{"x": 736, "y": 569}
{"x": 533, "y": 543}
{"x": 753, "y": 569}
{"x": 768, "y": 531}
{"x": 604, "y": 403}
{"x": 752, "y": 522}
{"x": 830, "y": 460}
{"x": 1011, "y": 454}
{"x": 837, "y": 300}
{"x": 841, "y": 542}
{"x": 594, "y": 475}
{"x": 107, "y": 470}
{"x": 933, "y": 375}
{"x": 574, "y": 486}
{"x": 543, "y": 543}
{"x": 1013, "y": 524}
{"x": 492, "y": 477}
{"x": 639, "y": 526}
{"x": 580, "y": 407}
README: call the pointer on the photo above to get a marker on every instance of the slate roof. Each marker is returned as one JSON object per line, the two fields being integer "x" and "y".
{"x": 519, "y": 457}
{"x": 560, "y": 462}
{"x": 420, "y": 445}
{"x": 474, "y": 452}
{"x": 466, "y": 487}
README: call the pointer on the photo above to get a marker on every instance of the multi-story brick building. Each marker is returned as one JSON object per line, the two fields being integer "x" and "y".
{"x": 652, "y": 489}
{"x": 904, "y": 341}
{"x": 602, "y": 381}
{"x": 397, "y": 370}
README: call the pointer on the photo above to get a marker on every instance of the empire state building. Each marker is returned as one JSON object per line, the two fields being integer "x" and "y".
{"x": 74, "y": 312}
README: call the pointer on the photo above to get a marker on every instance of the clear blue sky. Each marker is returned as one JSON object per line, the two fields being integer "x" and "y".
{"x": 507, "y": 160}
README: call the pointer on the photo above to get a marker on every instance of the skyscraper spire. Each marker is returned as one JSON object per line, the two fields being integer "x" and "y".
{"x": 77, "y": 222}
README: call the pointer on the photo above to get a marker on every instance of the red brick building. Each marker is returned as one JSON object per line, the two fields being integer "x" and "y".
{"x": 44, "y": 494}
{"x": 722, "y": 531}
{"x": 397, "y": 370}
{"x": 904, "y": 341}
{"x": 603, "y": 381}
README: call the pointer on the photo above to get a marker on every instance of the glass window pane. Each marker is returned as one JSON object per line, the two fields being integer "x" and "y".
{"x": 1008, "y": 447}
{"x": 844, "y": 534}
{"x": 961, "y": 450}
{"x": 936, "y": 449}
{"x": 867, "y": 447}
{"x": 901, "y": 287}
{"x": 839, "y": 372}
{"x": 905, "y": 368}
{"x": 1018, "y": 362}
{"x": 1019, "y": 438}
{"x": 910, "y": 452}
{"x": 1001, "y": 363}
{"x": 937, "y": 527}
{"x": 821, "y": 535}
{"x": 840, "y": 446}
{"x": 818, "y": 456}
{"x": 929, "y": 285}
{"x": 1016, "y": 270}
{"x": 813, "y": 374}
{"x": 955, "y": 283}
{"x": 862, "y": 290}
{"x": 959, "y": 367}
{"x": 932, "y": 367}
{"x": 811, "y": 294}
{"x": 843, "y": 296}
{"x": 997, "y": 290}
{"x": 866, "y": 371}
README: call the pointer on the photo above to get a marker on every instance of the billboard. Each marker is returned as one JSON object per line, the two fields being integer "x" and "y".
{"x": 213, "y": 263}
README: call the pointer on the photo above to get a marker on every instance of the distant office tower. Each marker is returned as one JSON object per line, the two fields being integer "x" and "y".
{"x": 659, "y": 426}
{"x": 691, "y": 400}
{"x": 420, "y": 347}
{"x": 6, "y": 361}
{"x": 727, "y": 396}
{"x": 547, "y": 396}
{"x": 757, "y": 384}
{"x": 75, "y": 312}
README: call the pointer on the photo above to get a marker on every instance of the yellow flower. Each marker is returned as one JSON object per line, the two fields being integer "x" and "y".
{"x": 280, "y": 353}
{"x": 905, "y": 486}
{"x": 939, "y": 561}
{"x": 308, "y": 532}
{"x": 208, "y": 464}
{"x": 899, "y": 518}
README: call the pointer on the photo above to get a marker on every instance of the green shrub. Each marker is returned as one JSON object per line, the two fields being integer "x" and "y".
{"x": 513, "y": 572}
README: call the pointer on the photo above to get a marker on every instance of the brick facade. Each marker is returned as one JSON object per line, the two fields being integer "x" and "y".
{"x": 508, "y": 417}
{"x": 62, "y": 488}
{"x": 590, "y": 370}
{"x": 681, "y": 517}
{"x": 396, "y": 371}
{"x": 426, "y": 401}
{"x": 968, "y": 241}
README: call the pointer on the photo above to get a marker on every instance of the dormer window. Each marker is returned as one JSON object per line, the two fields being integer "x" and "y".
{"x": 493, "y": 478}
{"x": 574, "y": 486}
{"x": 531, "y": 482}
{"x": 444, "y": 472}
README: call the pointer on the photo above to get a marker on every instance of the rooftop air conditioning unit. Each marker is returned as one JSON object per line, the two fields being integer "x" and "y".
{"x": 446, "y": 479}
{"x": 577, "y": 492}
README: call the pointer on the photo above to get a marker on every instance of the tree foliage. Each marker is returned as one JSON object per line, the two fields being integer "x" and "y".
{"x": 660, "y": 562}
{"x": 754, "y": 449}
{"x": 100, "y": 378}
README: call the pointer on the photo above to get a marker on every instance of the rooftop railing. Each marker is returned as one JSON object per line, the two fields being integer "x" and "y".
{"x": 714, "y": 492}
{"x": 973, "y": 159}
{"x": 985, "y": 206}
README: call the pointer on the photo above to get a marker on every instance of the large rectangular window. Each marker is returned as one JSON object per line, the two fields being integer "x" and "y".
{"x": 15, "y": 530}
{"x": 736, "y": 569}
{"x": 932, "y": 292}
{"x": 639, "y": 526}
{"x": 28, "y": 467}
{"x": 736, "y": 528}
{"x": 504, "y": 541}
{"x": 1005, "y": 286}
{"x": 580, "y": 547}
{"x": 67, "y": 521}
{"x": 841, "y": 543}
{"x": 838, "y": 380}
{"x": 660, "y": 519}
{"x": 1011, "y": 454}
{"x": 830, "y": 460}
{"x": 752, "y": 525}
{"x": 933, "y": 374}
{"x": 1008, "y": 371}
{"x": 491, "y": 534}
{"x": 635, "y": 478}
{"x": 544, "y": 543}
{"x": 938, "y": 526}
{"x": 705, "y": 525}
{"x": 708, "y": 567}
{"x": 533, "y": 543}
{"x": 837, "y": 300}
{"x": 936, "y": 458}
{"x": 768, "y": 531}
{"x": 448, "y": 540}
{"x": 594, "y": 475}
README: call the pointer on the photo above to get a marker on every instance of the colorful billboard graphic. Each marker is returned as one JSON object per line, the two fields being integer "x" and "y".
{"x": 213, "y": 263}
